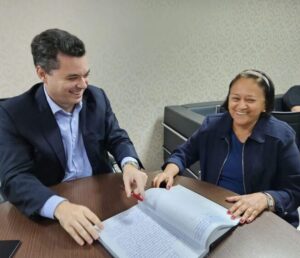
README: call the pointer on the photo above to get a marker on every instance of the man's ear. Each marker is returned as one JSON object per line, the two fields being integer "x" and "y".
{"x": 41, "y": 73}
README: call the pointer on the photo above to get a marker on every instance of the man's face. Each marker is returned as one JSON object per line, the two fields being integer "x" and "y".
{"x": 66, "y": 85}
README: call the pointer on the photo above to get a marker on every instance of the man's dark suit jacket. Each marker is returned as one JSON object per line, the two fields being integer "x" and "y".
{"x": 32, "y": 154}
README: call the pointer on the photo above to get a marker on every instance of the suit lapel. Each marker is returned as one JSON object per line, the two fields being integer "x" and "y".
{"x": 85, "y": 133}
{"x": 82, "y": 117}
{"x": 49, "y": 126}
{"x": 89, "y": 137}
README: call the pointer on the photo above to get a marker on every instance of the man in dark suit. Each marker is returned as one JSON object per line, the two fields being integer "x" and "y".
{"x": 59, "y": 130}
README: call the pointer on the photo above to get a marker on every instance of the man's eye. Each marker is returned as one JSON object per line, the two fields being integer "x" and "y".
{"x": 72, "y": 78}
{"x": 251, "y": 100}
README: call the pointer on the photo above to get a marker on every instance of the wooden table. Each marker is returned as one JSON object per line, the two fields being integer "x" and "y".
{"x": 267, "y": 236}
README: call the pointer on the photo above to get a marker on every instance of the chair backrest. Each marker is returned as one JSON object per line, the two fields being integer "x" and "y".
{"x": 293, "y": 119}
{"x": 279, "y": 104}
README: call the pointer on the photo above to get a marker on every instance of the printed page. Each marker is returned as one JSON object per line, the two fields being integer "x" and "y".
{"x": 192, "y": 214}
{"x": 133, "y": 233}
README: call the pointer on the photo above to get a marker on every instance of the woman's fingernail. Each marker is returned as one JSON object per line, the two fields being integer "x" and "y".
{"x": 233, "y": 217}
{"x": 242, "y": 221}
{"x": 228, "y": 212}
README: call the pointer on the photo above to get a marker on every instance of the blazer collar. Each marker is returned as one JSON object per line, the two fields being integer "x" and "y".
{"x": 260, "y": 128}
{"x": 258, "y": 133}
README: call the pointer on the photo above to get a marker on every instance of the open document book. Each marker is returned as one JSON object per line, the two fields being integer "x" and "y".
{"x": 168, "y": 223}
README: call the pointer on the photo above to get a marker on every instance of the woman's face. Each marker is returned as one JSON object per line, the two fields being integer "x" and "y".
{"x": 246, "y": 102}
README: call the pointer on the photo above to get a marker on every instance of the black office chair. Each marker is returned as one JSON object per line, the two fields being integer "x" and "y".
{"x": 293, "y": 119}
{"x": 114, "y": 164}
{"x": 281, "y": 112}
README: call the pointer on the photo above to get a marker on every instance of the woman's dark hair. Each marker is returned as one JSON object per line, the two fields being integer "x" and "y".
{"x": 47, "y": 45}
{"x": 263, "y": 81}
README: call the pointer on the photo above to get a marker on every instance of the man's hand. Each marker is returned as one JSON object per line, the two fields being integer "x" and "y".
{"x": 134, "y": 180}
{"x": 78, "y": 221}
{"x": 247, "y": 206}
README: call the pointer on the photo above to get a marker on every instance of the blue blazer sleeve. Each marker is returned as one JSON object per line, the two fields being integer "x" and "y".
{"x": 18, "y": 182}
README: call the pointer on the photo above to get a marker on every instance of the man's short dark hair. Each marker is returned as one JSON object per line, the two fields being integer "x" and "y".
{"x": 47, "y": 45}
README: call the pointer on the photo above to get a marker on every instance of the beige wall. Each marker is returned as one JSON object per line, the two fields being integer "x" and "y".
{"x": 150, "y": 53}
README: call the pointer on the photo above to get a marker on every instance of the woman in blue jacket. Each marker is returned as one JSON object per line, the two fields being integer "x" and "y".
{"x": 245, "y": 150}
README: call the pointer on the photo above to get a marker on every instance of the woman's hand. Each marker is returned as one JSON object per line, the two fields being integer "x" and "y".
{"x": 167, "y": 176}
{"x": 247, "y": 206}
{"x": 161, "y": 178}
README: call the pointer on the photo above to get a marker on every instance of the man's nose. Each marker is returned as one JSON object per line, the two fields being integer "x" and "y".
{"x": 83, "y": 83}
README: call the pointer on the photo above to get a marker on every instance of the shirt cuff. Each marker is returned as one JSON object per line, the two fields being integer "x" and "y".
{"x": 127, "y": 159}
{"x": 50, "y": 205}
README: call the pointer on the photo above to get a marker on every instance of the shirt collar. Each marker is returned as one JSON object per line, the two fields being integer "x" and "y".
{"x": 56, "y": 108}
